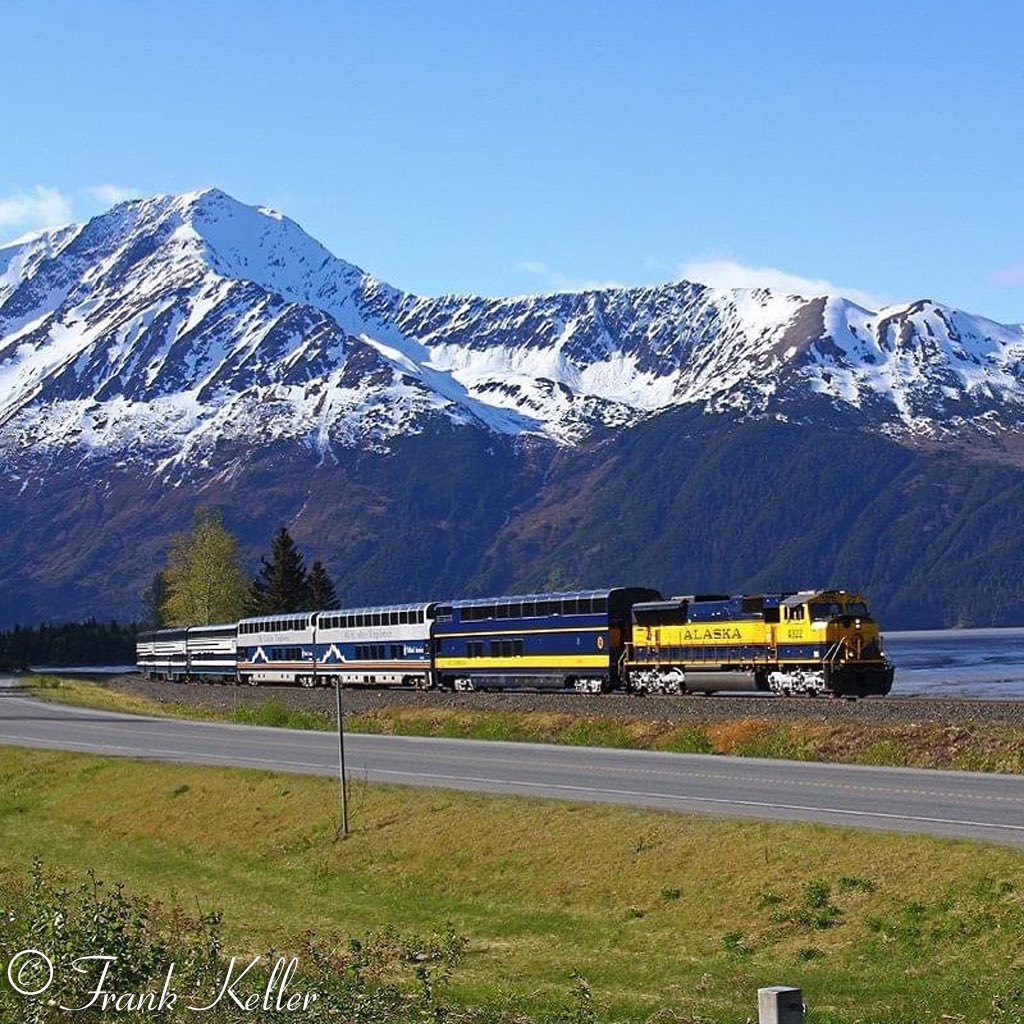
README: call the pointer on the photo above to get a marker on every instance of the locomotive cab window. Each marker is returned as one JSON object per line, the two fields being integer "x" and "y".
{"x": 825, "y": 610}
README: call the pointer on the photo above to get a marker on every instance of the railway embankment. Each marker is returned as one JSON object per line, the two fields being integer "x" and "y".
{"x": 969, "y": 735}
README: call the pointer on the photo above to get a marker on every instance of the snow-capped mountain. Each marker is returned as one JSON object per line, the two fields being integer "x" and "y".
{"x": 168, "y": 326}
{"x": 190, "y": 351}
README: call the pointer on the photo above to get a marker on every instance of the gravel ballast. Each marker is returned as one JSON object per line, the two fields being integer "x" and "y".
{"x": 698, "y": 709}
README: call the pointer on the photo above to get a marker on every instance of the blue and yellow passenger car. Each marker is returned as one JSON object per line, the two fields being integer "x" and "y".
{"x": 572, "y": 640}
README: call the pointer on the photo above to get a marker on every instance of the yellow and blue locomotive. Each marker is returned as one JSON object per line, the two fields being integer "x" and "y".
{"x": 811, "y": 642}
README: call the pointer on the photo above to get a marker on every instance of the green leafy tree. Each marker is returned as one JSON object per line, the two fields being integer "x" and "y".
{"x": 321, "y": 590}
{"x": 204, "y": 578}
{"x": 281, "y": 584}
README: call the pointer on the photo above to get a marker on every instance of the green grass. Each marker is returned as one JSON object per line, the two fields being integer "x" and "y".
{"x": 661, "y": 913}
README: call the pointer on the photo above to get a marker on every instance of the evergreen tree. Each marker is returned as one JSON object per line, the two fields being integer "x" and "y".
{"x": 281, "y": 584}
{"x": 153, "y": 598}
{"x": 68, "y": 643}
{"x": 322, "y": 594}
{"x": 204, "y": 577}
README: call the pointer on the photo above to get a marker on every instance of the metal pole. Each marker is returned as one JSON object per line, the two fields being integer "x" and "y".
{"x": 341, "y": 758}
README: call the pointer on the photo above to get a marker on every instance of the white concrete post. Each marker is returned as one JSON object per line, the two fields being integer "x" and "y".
{"x": 780, "y": 1004}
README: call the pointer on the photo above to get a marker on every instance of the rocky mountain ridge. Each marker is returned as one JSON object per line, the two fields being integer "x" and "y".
{"x": 168, "y": 328}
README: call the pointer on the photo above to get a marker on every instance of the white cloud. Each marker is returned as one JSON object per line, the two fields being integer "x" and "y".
{"x": 36, "y": 207}
{"x": 532, "y": 267}
{"x": 729, "y": 274}
{"x": 552, "y": 280}
{"x": 718, "y": 273}
{"x": 41, "y": 206}
{"x": 1009, "y": 276}
{"x": 111, "y": 195}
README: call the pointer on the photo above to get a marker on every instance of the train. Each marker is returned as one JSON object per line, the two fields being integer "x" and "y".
{"x": 626, "y": 639}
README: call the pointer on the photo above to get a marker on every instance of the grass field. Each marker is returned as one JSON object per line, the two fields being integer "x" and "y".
{"x": 668, "y": 915}
{"x": 968, "y": 747}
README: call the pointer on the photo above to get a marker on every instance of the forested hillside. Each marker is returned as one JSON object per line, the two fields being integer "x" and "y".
{"x": 682, "y": 502}
{"x": 690, "y": 505}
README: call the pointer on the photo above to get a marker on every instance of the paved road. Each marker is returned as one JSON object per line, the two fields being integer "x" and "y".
{"x": 963, "y": 804}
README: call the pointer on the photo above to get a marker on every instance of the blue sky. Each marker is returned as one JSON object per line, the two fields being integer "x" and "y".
{"x": 504, "y": 148}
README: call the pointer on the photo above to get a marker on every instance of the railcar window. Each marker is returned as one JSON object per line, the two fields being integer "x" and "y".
{"x": 858, "y": 608}
{"x": 518, "y": 647}
{"x": 601, "y": 605}
{"x": 568, "y": 606}
{"x": 529, "y": 609}
{"x": 501, "y": 611}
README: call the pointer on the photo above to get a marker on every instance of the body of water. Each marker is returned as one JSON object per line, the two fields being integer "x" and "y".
{"x": 958, "y": 663}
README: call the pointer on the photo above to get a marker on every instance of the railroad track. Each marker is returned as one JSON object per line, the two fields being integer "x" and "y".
{"x": 891, "y": 709}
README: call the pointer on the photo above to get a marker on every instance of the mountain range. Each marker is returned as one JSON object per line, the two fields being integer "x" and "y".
{"x": 191, "y": 350}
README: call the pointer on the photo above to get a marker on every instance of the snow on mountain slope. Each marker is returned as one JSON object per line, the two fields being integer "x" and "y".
{"x": 168, "y": 326}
